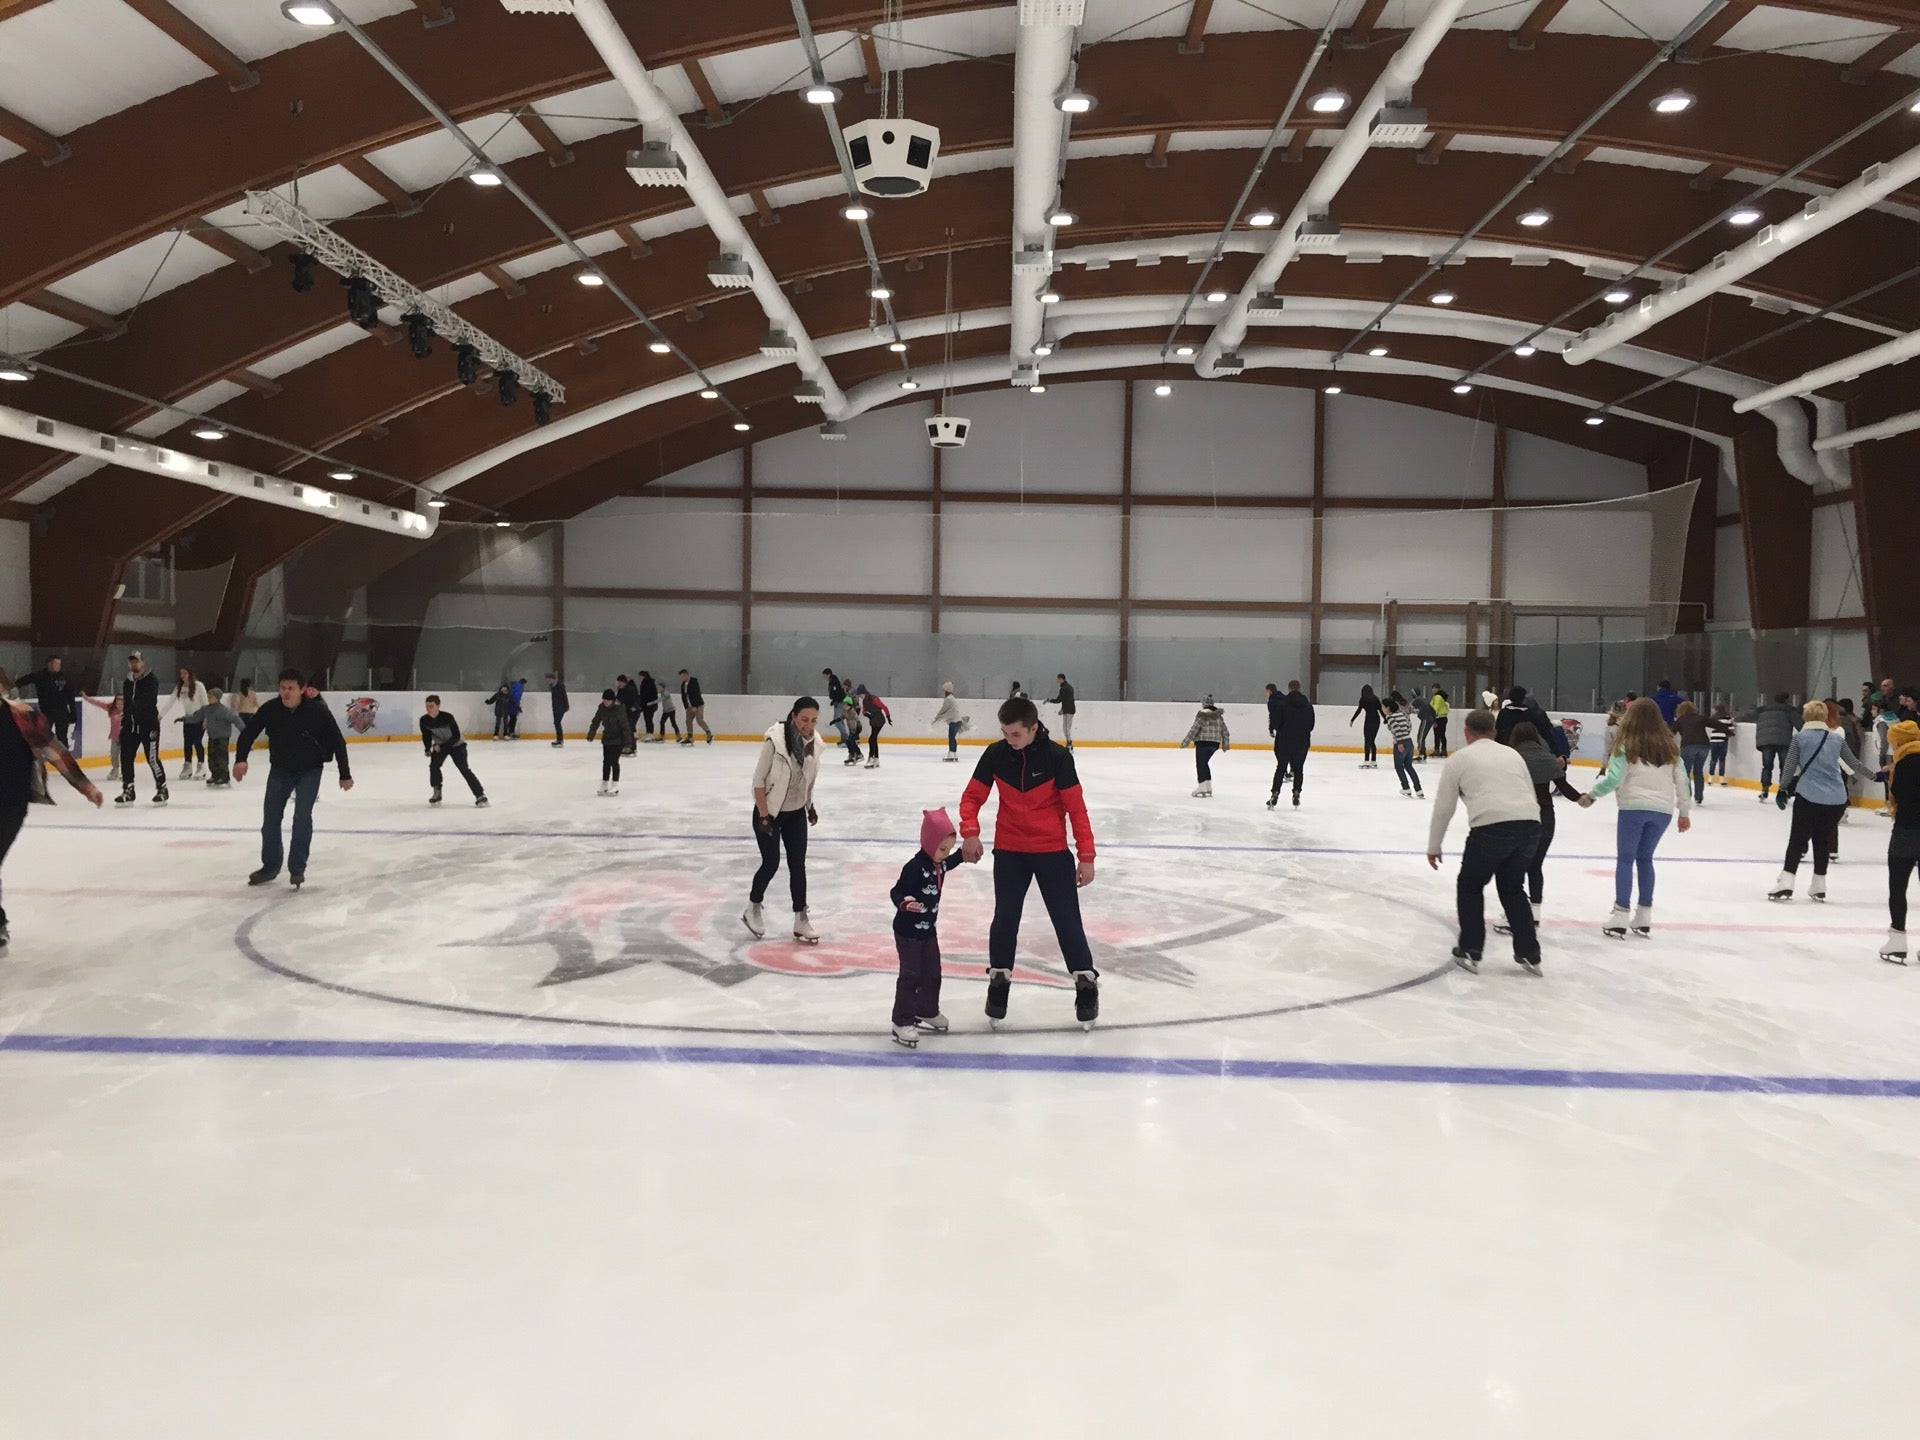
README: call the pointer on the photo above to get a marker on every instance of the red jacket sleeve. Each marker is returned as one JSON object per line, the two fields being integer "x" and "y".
{"x": 978, "y": 790}
{"x": 1075, "y": 802}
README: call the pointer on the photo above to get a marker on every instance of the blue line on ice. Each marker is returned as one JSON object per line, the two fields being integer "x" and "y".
{"x": 934, "y": 1059}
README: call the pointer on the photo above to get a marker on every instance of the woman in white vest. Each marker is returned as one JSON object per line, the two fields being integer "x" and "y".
{"x": 782, "y": 811}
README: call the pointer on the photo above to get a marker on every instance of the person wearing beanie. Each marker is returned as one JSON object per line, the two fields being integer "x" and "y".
{"x": 1207, "y": 734}
{"x": 949, "y": 715}
{"x": 218, "y": 725}
{"x": 1902, "y": 779}
{"x": 615, "y": 730}
{"x": 916, "y": 930}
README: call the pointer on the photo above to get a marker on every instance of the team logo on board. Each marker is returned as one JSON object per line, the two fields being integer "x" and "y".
{"x": 361, "y": 713}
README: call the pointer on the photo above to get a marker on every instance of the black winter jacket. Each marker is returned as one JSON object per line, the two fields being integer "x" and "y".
{"x": 55, "y": 692}
{"x": 920, "y": 879}
{"x": 613, "y": 726}
{"x": 690, "y": 695}
{"x": 301, "y": 739}
{"x": 441, "y": 730}
{"x": 140, "y": 704}
{"x": 1291, "y": 720}
{"x": 647, "y": 694}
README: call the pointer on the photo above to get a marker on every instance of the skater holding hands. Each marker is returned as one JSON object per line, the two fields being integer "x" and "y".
{"x": 916, "y": 933}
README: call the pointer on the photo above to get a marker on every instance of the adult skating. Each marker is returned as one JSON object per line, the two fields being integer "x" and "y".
{"x": 302, "y": 737}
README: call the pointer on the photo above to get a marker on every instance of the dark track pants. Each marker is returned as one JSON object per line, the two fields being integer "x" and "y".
{"x": 610, "y": 763}
{"x": 1813, "y": 823}
{"x": 1500, "y": 853}
{"x": 916, "y": 995}
{"x": 437, "y": 765}
{"x": 1370, "y": 737}
{"x": 1013, "y": 872}
{"x": 1203, "y": 753}
{"x": 789, "y": 829}
{"x": 132, "y": 742}
{"x": 1287, "y": 761}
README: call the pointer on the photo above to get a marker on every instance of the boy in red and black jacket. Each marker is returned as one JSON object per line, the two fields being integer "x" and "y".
{"x": 1039, "y": 792}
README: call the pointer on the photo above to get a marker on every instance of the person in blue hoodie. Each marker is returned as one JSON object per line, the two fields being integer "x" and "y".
{"x": 1668, "y": 699}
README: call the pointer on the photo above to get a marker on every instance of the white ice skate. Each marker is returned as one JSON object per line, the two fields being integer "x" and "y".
{"x": 1273, "y": 799}
{"x": 1643, "y": 922}
{"x": 613, "y": 789}
{"x": 1894, "y": 951}
{"x": 603, "y": 788}
{"x": 932, "y": 1024}
{"x": 1467, "y": 960}
{"x": 1782, "y": 888}
{"x": 1204, "y": 791}
{"x": 803, "y": 930}
{"x": 1616, "y": 926}
{"x": 907, "y": 1036}
{"x": 755, "y": 919}
{"x": 874, "y": 764}
{"x": 1817, "y": 889}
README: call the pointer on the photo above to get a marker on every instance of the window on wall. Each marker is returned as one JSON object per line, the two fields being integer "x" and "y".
{"x": 149, "y": 579}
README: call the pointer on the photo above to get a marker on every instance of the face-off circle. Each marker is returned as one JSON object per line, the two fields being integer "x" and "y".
{"x": 655, "y": 941}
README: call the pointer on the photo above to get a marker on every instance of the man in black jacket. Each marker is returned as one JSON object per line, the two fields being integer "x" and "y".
{"x": 440, "y": 734}
{"x": 696, "y": 708}
{"x": 55, "y": 693}
{"x": 557, "y": 689}
{"x": 140, "y": 729}
{"x": 302, "y": 736}
{"x": 1522, "y": 708}
{"x": 1063, "y": 697}
{"x": 1290, "y": 722}
{"x": 635, "y": 700}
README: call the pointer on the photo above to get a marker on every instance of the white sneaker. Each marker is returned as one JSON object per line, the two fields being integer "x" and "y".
{"x": 907, "y": 1036}
{"x": 1616, "y": 926}
{"x": 932, "y": 1024}
{"x": 1894, "y": 951}
{"x": 803, "y": 930}
{"x": 1643, "y": 921}
{"x": 754, "y": 918}
{"x": 1782, "y": 888}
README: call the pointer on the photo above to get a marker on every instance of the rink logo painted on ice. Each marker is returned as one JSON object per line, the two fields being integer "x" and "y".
{"x": 362, "y": 713}
{"x": 606, "y": 923}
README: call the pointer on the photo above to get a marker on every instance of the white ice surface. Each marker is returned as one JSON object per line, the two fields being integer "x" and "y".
{"x": 452, "y": 1240}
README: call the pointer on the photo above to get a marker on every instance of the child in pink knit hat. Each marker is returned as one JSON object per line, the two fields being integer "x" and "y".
{"x": 916, "y": 934}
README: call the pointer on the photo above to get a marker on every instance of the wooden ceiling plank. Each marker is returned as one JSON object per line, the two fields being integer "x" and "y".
{"x": 224, "y": 243}
{"x": 557, "y": 152}
{"x": 381, "y": 183}
{"x": 188, "y": 35}
{"x": 703, "y": 87}
{"x": 48, "y": 149}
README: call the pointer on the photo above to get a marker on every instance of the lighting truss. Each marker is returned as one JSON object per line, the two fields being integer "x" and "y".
{"x": 291, "y": 223}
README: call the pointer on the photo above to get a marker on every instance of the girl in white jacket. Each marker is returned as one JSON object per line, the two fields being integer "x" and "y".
{"x": 190, "y": 697}
{"x": 949, "y": 715}
{"x": 1644, "y": 767}
{"x": 782, "y": 812}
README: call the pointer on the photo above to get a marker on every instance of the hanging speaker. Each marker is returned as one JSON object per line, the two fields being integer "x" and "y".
{"x": 893, "y": 158}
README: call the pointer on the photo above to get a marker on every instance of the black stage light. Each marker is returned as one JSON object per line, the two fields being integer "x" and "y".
{"x": 509, "y": 387}
{"x": 363, "y": 306}
{"x": 467, "y": 361}
{"x": 542, "y": 407}
{"x": 303, "y": 264}
{"x": 419, "y": 334}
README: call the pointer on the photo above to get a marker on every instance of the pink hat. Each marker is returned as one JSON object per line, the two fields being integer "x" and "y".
{"x": 935, "y": 827}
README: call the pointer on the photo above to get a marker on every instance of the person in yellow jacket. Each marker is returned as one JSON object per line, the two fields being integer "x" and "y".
{"x": 1440, "y": 709}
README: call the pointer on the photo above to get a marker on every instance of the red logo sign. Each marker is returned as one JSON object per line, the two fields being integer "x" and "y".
{"x": 361, "y": 714}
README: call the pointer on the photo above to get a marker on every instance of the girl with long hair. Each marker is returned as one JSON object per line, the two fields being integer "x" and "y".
{"x": 1644, "y": 767}
{"x": 191, "y": 697}
{"x": 783, "y": 810}
{"x": 1370, "y": 707}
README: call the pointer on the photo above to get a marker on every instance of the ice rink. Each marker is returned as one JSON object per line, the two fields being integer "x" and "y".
{"x": 505, "y": 1127}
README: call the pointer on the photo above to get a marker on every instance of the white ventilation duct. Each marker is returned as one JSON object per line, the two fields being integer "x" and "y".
{"x": 152, "y": 457}
{"x": 1820, "y": 215}
{"x": 661, "y": 123}
{"x": 1042, "y": 71}
{"x": 1840, "y": 371}
{"x": 1395, "y": 82}
{"x": 1879, "y": 430}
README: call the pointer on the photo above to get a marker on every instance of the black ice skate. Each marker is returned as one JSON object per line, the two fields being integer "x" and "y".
{"x": 263, "y": 877}
{"x": 1273, "y": 799}
{"x": 1467, "y": 960}
{"x": 1086, "y": 997}
{"x": 434, "y": 799}
{"x": 479, "y": 802}
{"x": 160, "y": 796}
{"x": 1529, "y": 963}
{"x": 999, "y": 982}
{"x": 125, "y": 797}
{"x": 298, "y": 877}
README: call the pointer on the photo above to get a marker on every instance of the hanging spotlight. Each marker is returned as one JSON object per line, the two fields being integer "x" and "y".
{"x": 1332, "y": 390}
{"x": 363, "y": 306}
{"x": 1378, "y": 352}
{"x": 542, "y": 408}
{"x": 822, "y": 95}
{"x": 1061, "y": 217}
{"x": 909, "y": 383}
{"x": 1442, "y": 297}
{"x": 1523, "y": 351}
{"x": 879, "y": 292}
{"x": 1049, "y": 297}
{"x": 1746, "y": 215}
{"x": 592, "y": 279}
{"x": 436, "y": 503}
{"x": 1185, "y": 352}
{"x": 855, "y": 213}
{"x": 1038, "y": 390}
{"x": 742, "y": 426}
{"x": 419, "y": 334}
{"x": 1043, "y": 350}
{"x": 1216, "y": 297}
{"x": 1330, "y": 102}
{"x": 208, "y": 432}
{"x": 466, "y": 361}
{"x": 1463, "y": 388}
{"x": 1535, "y": 218}
{"x": 509, "y": 387}
{"x": 303, "y": 264}
{"x": 1075, "y": 102}
{"x": 1619, "y": 295}
{"x": 15, "y": 373}
{"x": 341, "y": 476}
{"x": 485, "y": 176}
{"x": 1262, "y": 218}
{"x": 898, "y": 347}
{"x": 659, "y": 347}
{"x": 1674, "y": 102}
{"x": 1596, "y": 420}
{"x": 1163, "y": 389}
{"x": 709, "y": 394}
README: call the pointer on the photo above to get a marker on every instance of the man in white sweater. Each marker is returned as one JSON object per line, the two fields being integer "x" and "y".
{"x": 1504, "y": 816}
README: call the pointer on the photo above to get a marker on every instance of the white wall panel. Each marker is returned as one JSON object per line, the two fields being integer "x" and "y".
{"x": 1836, "y": 578}
{"x": 529, "y": 563}
{"x": 1029, "y": 550}
{"x": 1375, "y": 555}
{"x": 673, "y": 544}
{"x": 1730, "y": 599}
{"x": 1232, "y": 657}
{"x": 1067, "y": 439}
{"x": 509, "y": 614}
{"x": 840, "y": 549}
{"x": 1542, "y": 469}
{"x": 1376, "y": 447}
{"x": 1222, "y": 440}
{"x": 832, "y": 617}
{"x": 723, "y": 472}
{"x": 1230, "y": 555}
{"x": 16, "y": 588}
{"x": 884, "y": 450}
{"x": 1587, "y": 558}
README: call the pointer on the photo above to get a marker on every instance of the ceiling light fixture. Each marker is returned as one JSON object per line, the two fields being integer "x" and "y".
{"x": 659, "y": 347}
{"x": 709, "y": 394}
{"x": 1049, "y": 297}
{"x": 909, "y": 383}
{"x": 1534, "y": 219}
{"x": 822, "y": 94}
{"x": 503, "y": 524}
{"x": 436, "y": 503}
{"x": 1185, "y": 352}
{"x": 1674, "y": 102}
{"x": 1596, "y": 420}
{"x": 1061, "y": 218}
{"x": 1038, "y": 390}
{"x": 208, "y": 432}
{"x": 1463, "y": 388}
{"x": 1262, "y": 218}
{"x": 1523, "y": 351}
{"x": 741, "y": 425}
{"x": 879, "y": 292}
{"x": 1619, "y": 295}
{"x": 1163, "y": 389}
{"x": 542, "y": 408}
{"x": 508, "y": 384}
{"x": 1330, "y": 102}
{"x": 1746, "y": 215}
{"x": 485, "y": 176}
{"x": 16, "y": 374}
{"x": 340, "y": 475}
{"x": 1075, "y": 102}
{"x": 1043, "y": 349}
{"x": 1442, "y": 297}
{"x": 308, "y": 12}
{"x": 1378, "y": 352}
{"x": 1333, "y": 390}
{"x": 855, "y": 212}
{"x": 592, "y": 279}
{"x": 898, "y": 347}
{"x": 1216, "y": 297}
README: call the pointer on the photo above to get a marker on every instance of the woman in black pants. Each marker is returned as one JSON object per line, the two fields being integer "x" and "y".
{"x": 782, "y": 813}
{"x": 1902, "y": 779}
{"x": 1370, "y": 707}
{"x": 1548, "y": 777}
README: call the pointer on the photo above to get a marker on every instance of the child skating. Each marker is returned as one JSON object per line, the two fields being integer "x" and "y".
{"x": 916, "y": 930}
{"x": 1400, "y": 728}
{"x": 440, "y": 736}
{"x": 217, "y": 725}
{"x": 1645, "y": 768}
{"x": 615, "y": 730}
{"x": 1206, "y": 735}
{"x": 949, "y": 715}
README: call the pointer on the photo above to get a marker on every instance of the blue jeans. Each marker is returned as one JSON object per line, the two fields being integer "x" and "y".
{"x": 1694, "y": 757}
{"x": 953, "y": 737}
{"x": 1403, "y": 766}
{"x": 303, "y": 787}
{"x": 1638, "y": 837}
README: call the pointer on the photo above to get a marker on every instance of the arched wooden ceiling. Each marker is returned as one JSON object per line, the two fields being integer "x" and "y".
{"x": 1638, "y": 182}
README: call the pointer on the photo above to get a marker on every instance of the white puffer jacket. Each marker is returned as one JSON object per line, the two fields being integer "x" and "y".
{"x": 788, "y": 782}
